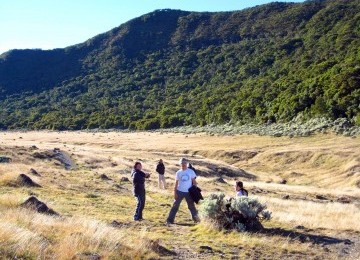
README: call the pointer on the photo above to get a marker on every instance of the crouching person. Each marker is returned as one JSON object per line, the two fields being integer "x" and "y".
{"x": 138, "y": 179}
{"x": 184, "y": 179}
{"x": 239, "y": 188}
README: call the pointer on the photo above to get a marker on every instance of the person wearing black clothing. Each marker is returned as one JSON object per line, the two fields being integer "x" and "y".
{"x": 190, "y": 166}
{"x": 138, "y": 179}
{"x": 160, "y": 169}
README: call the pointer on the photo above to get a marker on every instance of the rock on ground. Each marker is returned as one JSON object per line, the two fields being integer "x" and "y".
{"x": 34, "y": 204}
{"x": 24, "y": 180}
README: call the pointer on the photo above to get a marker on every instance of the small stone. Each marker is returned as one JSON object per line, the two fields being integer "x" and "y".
{"x": 283, "y": 181}
{"x": 286, "y": 197}
{"x": 104, "y": 177}
{"x": 34, "y": 172}
{"x": 207, "y": 248}
{"x": 344, "y": 200}
{"x": 299, "y": 227}
{"x": 320, "y": 197}
{"x": 88, "y": 256}
{"x": 348, "y": 242}
{"x": 220, "y": 179}
{"x": 115, "y": 223}
{"x": 124, "y": 179}
{"x": 118, "y": 186}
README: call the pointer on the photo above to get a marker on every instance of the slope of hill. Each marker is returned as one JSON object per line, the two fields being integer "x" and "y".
{"x": 170, "y": 68}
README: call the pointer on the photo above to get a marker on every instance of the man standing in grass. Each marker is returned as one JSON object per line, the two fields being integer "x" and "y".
{"x": 160, "y": 169}
{"x": 184, "y": 179}
{"x": 138, "y": 177}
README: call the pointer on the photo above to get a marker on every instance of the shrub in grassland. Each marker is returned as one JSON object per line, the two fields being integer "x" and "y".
{"x": 297, "y": 127}
{"x": 240, "y": 213}
{"x": 357, "y": 119}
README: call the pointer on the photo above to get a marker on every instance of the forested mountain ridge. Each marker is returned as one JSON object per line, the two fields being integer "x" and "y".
{"x": 171, "y": 67}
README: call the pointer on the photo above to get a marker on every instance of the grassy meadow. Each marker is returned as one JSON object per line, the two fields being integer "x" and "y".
{"x": 315, "y": 215}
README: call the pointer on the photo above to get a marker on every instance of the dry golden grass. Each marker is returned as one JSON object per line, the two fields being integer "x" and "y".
{"x": 321, "y": 160}
{"x": 325, "y": 164}
{"x": 55, "y": 238}
{"x": 335, "y": 216}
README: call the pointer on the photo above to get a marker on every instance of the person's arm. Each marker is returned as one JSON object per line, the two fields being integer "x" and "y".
{"x": 175, "y": 189}
{"x": 194, "y": 182}
{"x": 193, "y": 179}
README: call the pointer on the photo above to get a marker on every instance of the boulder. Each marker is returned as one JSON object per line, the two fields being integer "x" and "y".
{"x": 26, "y": 181}
{"x": 62, "y": 157}
{"x": 34, "y": 204}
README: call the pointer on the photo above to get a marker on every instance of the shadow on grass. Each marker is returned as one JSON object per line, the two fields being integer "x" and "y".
{"x": 186, "y": 224}
{"x": 303, "y": 237}
{"x": 216, "y": 170}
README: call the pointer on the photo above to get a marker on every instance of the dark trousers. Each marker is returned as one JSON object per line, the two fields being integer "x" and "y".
{"x": 176, "y": 205}
{"x": 140, "y": 198}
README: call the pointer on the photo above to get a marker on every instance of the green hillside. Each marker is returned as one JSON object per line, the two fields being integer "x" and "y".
{"x": 170, "y": 68}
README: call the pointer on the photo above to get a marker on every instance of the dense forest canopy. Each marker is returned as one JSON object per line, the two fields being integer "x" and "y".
{"x": 170, "y": 68}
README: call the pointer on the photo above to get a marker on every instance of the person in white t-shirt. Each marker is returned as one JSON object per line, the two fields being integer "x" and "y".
{"x": 184, "y": 179}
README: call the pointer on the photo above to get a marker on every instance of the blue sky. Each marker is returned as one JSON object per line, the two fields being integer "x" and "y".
{"x": 49, "y": 24}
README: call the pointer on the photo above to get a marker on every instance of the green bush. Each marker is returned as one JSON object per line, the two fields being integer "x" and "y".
{"x": 357, "y": 120}
{"x": 240, "y": 213}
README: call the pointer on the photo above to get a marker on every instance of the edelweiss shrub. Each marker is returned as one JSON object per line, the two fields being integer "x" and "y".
{"x": 240, "y": 213}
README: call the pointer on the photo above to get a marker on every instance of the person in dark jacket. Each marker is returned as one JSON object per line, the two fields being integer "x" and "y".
{"x": 138, "y": 179}
{"x": 160, "y": 169}
{"x": 191, "y": 167}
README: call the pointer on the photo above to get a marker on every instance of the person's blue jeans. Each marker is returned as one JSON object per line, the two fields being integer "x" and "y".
{"x": 176, "y": 205}
{"x": 140, "y": 198}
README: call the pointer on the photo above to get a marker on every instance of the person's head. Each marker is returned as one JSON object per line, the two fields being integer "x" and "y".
{"x": 160, "y": 161}
{"x": 184, "y": 163}
{"x": 239, "y": 185}
{"x": 138, "y": 166}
